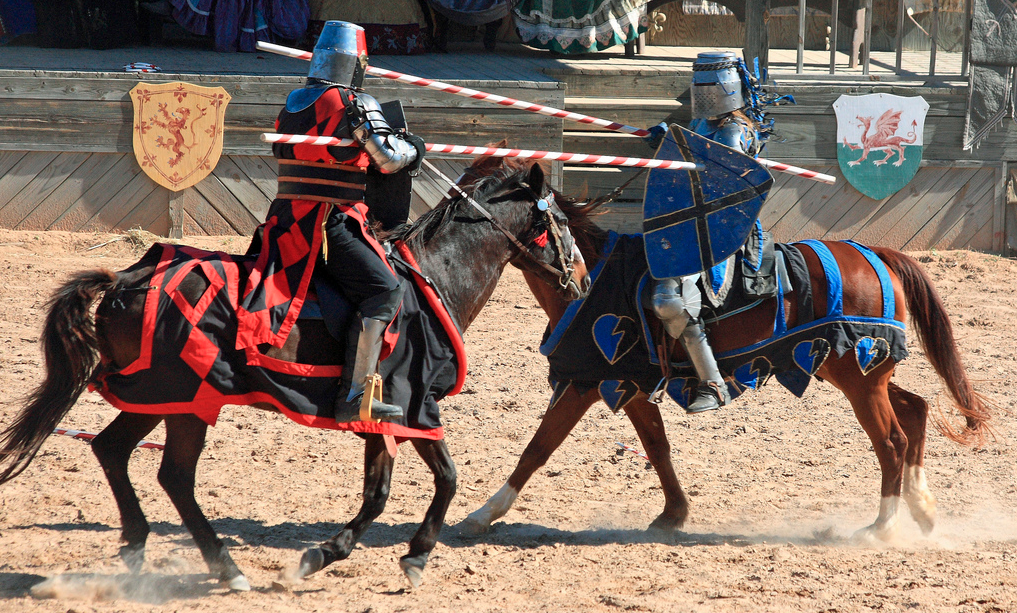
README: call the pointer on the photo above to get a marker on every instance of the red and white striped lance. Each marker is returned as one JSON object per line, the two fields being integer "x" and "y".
{"x": 795, "y": 170}
{"x": 88, "y": 436}
{"x": 633, "y": 450}
{"x": 466, "y": 92}
{"x": 531, "y": 107}
{"x": 574, "y": 158}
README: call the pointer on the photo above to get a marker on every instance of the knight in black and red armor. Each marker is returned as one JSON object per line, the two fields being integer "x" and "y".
{"x": 325, "y": 185}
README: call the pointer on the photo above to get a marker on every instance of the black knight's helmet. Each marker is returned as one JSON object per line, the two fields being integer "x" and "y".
{"x": 340, "y": 55}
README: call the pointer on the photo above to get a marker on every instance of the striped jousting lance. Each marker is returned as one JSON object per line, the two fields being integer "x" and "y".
{"x": 88, "y": 436}
{"x": 574, "y": 158}
{"x": 531, "y": 107}
{"x": 467, "y": 92}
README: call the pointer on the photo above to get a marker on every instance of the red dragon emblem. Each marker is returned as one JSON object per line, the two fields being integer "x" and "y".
{"x": 883, "y": 138}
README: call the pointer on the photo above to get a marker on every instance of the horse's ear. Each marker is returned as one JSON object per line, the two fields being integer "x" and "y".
{"x": 486, "y": 164}
{"x": 536, "y": 179}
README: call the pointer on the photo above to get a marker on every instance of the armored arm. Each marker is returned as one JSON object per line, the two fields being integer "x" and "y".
{"x": 390, "y": 150}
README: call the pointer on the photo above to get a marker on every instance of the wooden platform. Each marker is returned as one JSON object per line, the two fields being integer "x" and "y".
{"x": 66, "y": 157}
{"x": 466, "y": 61}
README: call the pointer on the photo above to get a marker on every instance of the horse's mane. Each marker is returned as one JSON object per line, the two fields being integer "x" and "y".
{"x": 427, "y": 225}
{"x": 589, "y": 237}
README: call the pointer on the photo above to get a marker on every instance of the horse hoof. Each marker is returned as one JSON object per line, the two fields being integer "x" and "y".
{"x": 473, "y": 527}
{"x": 311, "y": 562}
{"x": 413, "y": 568}
{"x": 664, "y": 527}
{"x": 133, "y": 557}
{"x": 239, "y": 584}
{"x": 874, "y": 535}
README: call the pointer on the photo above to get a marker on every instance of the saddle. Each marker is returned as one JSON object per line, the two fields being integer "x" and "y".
{"x": 757, "y": 269}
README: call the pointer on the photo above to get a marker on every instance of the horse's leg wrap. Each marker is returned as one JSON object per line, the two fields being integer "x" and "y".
{"x": 479, "y": 521}
{"x": 712, "y": 392}
{"x": 363, "y": 366}
{"x": 887, "y": 524}
{"x": 921, "y": 501}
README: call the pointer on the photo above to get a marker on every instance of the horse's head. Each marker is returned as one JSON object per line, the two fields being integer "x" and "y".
{"x": 533, "y": 219}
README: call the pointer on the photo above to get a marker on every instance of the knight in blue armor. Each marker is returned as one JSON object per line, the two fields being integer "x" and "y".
{"x": 725, "y": 110}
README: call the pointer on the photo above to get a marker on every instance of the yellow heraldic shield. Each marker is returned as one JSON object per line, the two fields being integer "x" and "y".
{"x": 178, "y": 131}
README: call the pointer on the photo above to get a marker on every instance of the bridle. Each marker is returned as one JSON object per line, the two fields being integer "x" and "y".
{"x": 543, "y": 204}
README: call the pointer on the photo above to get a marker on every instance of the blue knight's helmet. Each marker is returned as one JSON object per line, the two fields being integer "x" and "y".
{"x": 716, "y": 84}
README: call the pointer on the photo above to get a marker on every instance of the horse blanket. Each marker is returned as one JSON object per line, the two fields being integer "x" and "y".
{"x": 604, "y": 341}
{"x": 191, "y": 360}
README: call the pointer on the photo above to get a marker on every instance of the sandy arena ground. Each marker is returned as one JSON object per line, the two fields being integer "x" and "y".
{"x": 778, "y": 486}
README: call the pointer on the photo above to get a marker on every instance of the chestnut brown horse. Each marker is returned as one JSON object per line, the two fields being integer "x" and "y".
{"x": 510, "y": 228}
{"x": 894, "y": 418}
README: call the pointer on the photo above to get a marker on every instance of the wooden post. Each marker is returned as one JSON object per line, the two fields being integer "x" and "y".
{"x": 800, "y": 59}
{"x": 176, "y": 212}
{"x": 1001, "y": 208}
{"x": 901, "y": 9}
{"x": 967, "y": 38}
{"x": 757, "y": 38}
{"x": 933, "y": 35}
{"x": 1010, "y": 214}
{"x": 867, "y": 37}
{"x": 834, "y": 19}
{"x": 857, "y": 36}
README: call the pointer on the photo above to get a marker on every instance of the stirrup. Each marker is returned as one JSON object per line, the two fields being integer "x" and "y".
{"x": 372, "y": 407}
{"x": 364, "y": 407}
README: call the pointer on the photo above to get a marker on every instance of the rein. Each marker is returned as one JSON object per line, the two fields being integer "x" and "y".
{"x": 544, "y": 204}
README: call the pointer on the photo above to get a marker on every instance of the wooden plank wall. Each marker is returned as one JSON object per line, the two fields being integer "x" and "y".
{"x": 101, "y": 192}
{"x": 67, "y": 162}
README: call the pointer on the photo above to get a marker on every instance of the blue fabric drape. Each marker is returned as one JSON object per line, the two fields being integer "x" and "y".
{"x": 237, "y": 25}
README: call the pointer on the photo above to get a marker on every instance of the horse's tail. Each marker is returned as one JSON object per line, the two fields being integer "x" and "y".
{"x": 70, "y": 350}
{"x": 931, "y": 322}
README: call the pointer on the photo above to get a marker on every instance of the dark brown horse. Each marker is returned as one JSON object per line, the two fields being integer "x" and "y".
{"x": 894, "y": 418}
{"x": 75, "y": 345}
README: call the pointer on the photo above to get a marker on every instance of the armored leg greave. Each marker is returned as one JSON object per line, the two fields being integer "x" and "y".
{"x": 712, "y": 392}
{"x": 359, "y": 367}
{"x": 677, "y": 303}
{"x": 668, "y": 302}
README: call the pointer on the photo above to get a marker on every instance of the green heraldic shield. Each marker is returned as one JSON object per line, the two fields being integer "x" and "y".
{"x": 880, "y": 141}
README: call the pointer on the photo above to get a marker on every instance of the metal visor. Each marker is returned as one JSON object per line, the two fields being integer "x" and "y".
{"x": 693, "y": 220}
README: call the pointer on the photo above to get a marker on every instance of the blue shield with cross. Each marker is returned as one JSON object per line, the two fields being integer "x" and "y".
{"x": 693, "y": 220}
